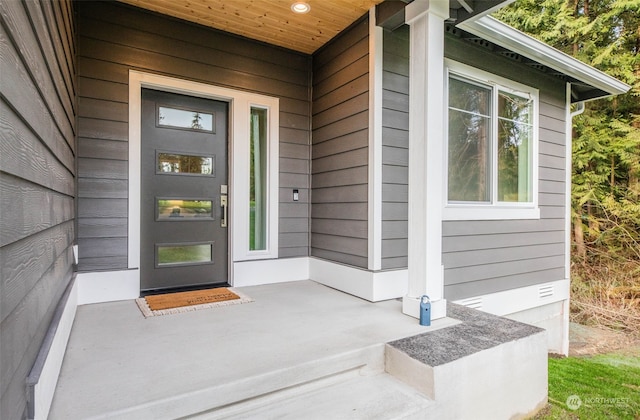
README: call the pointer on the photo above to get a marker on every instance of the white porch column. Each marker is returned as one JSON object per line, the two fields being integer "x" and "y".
{"x": 426, "y": 140}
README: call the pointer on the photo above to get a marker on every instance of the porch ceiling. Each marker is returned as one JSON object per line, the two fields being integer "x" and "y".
{"x": 270, "y": 21}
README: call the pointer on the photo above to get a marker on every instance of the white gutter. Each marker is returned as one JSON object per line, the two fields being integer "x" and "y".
{"x": 579, "y": 109}
{"x": 512, "y": 39}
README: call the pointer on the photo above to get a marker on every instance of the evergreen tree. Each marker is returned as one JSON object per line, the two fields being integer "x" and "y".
{"x": 606, "y": 137}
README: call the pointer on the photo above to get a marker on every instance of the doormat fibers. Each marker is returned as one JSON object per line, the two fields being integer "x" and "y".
{"x": 175, "y": 303}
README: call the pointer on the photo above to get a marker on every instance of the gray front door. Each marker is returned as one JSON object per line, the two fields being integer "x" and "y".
{"x": 183, "y": 192}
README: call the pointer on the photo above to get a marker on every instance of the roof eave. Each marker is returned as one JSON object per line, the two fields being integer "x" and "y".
{"x": 508, "y": 37}
{"x": 480, "y": 8}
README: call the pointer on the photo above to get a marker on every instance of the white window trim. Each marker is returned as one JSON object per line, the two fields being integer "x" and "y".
{"x": 240, "y": 104}
{"x": 496, "y": 210}
{"x": 243, "y": 253}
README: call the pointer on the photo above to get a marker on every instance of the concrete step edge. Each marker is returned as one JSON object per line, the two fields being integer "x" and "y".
{"x": 370, "y": 358}
{"x": 346, "y": 395}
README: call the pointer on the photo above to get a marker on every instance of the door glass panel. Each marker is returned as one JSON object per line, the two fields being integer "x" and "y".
{"x": 177, "y": 210}
{"x": 258, "y": 181}
{"x": 173, "y": 163}
{"x": 183, "y": 118}
{"x": 171, "y": 255}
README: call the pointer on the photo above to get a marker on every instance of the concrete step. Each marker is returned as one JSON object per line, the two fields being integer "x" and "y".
{"x": 485, "y": 367}
{"x": 356, "y": 394}
{"x": 364, "y": 361}
{"x": 119, "y": 364}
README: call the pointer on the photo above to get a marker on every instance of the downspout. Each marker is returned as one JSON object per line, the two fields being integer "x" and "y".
{"x": 568, "y": 179}
{"x": 568, "y": 169}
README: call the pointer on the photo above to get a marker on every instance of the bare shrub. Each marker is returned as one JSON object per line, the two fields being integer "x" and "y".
{"x": 605, "y": 291}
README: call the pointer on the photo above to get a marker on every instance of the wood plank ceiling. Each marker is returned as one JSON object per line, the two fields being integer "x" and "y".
{"x": 270, "y": 21}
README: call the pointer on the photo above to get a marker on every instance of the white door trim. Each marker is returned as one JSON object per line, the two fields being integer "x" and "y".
{"x": 240, "y": 104}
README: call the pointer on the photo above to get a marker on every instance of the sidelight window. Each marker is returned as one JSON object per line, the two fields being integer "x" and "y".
{"x": 258, "y": 180}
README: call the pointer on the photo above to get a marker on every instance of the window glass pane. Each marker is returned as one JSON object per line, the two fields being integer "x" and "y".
{"x": 175, "y": 210}
{"x": 184, "y": 254}
{"x": 469, "y": 142}
{"x": 515, "y": 135}
{"x": 514, "y": 162}
{"x": 258, "y": 181}
{"x": 182, "y": 118}
{"x": 185, "y": 164}
{"x": 515, "y": 108}
{"x": 469, "y": 97}
{"x": 477, "y": 153}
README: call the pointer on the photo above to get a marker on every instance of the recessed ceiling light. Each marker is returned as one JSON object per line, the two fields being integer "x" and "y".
{"x": 300, "y": 7}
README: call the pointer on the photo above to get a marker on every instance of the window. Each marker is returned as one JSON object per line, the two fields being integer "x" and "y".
{"x": 491, "y": 159}
{"x": 258, "y": 180}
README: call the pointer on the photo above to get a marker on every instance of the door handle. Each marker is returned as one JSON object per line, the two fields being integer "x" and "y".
{"x": 223, "y": 205}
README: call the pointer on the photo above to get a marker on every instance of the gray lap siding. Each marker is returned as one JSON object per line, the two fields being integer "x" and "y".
{"x": 37, "y": 183}
{"x": 482, "y": 257}
{"x": 114, "y": 38}
{"x": 479, "y": 256}
{"x": 395, "y": 147}
{"x": 340, "y": 154}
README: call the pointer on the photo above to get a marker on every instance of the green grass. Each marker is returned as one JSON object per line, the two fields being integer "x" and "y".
{"x": 608, "y": 386}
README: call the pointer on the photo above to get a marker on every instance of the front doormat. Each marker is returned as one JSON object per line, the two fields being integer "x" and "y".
{"x": 175, "y": 303}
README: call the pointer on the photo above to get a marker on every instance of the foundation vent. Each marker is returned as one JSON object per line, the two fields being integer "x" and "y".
{"x": 474, "y": 303}
{"x": 545, "y": 291}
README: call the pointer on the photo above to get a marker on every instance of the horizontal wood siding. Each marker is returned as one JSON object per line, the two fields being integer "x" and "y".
{"x": 114, "y": 38}
{"x": 395, "y": 147}
{"x": 483, "y": 257}
{"x": 37, "y": 182}
{"x": 340, "y": 151}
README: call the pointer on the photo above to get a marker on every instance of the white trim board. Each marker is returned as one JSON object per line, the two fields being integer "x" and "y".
{"x": 520, "y": 299}
{"x": 108, "y": 286}
{"x": 253, "y": 273}
{"x": 373, "y": 286}
{"x": 374, "y": 226}
{"x": 41, "y": 384}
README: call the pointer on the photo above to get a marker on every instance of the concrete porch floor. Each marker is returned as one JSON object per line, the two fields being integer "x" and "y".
{"x": 120, "y": 365}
